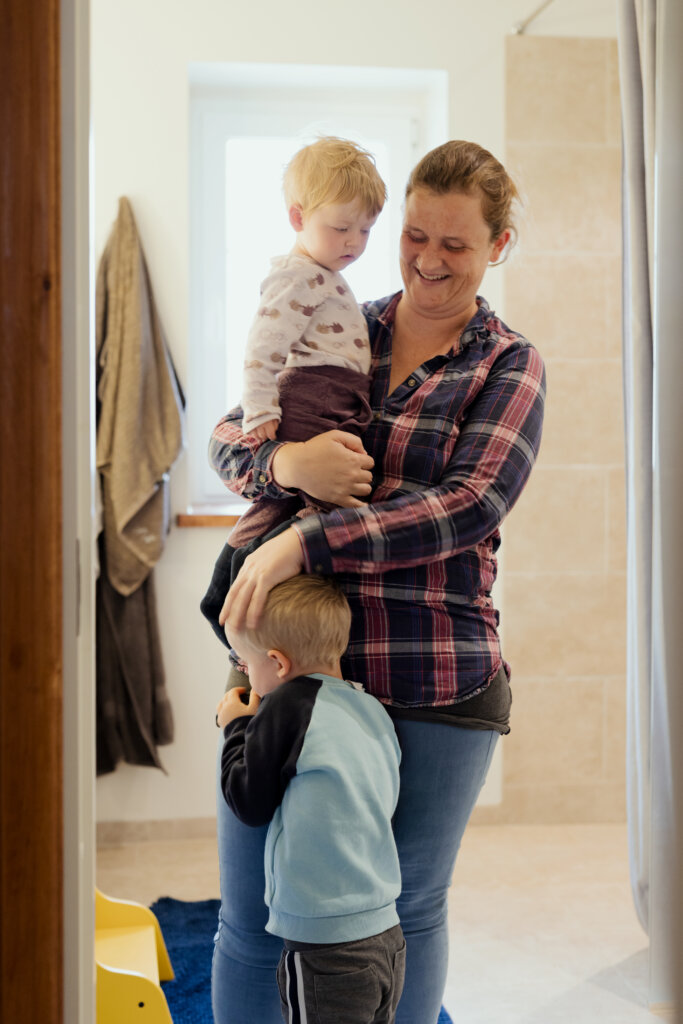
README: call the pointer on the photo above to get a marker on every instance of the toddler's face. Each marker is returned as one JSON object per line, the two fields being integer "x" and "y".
{"x": 335, "y": 235}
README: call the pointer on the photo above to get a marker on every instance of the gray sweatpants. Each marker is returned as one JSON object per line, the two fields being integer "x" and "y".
{"x": 350, "y": 983}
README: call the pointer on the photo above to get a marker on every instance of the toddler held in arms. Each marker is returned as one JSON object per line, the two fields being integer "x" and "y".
{"x": 307, "y": 359}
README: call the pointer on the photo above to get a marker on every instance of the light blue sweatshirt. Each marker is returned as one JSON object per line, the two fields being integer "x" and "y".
{"x": 319, "y": 761}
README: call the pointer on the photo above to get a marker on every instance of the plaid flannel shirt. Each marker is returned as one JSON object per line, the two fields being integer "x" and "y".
{"x": 453, "y": 447}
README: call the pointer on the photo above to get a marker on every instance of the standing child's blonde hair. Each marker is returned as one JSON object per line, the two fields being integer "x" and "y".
{"x": 333, "y": 170}
{"x": 306, "y": 617}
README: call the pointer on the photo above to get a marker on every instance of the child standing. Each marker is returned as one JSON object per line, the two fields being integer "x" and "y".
{"x": 317, "y": 758}
{"x": 307, "y": 359}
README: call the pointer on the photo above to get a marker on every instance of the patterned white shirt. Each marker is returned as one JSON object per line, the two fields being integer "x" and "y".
{"x": 307, "y": 316}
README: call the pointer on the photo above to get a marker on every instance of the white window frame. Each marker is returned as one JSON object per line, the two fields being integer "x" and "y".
{"x": 407, "y": 109}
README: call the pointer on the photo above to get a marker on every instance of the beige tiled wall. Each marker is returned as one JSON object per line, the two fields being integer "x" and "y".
{"x": 563, "y": 565}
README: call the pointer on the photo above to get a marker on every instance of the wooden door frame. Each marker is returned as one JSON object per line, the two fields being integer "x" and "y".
{"x": 31, "y": 649}
{"x": 46, "y": 621}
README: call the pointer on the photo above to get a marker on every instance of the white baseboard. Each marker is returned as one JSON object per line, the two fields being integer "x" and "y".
{"x": 113, "y": 833}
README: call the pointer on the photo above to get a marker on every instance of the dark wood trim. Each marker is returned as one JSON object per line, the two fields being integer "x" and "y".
{"x": 31, "y": 746}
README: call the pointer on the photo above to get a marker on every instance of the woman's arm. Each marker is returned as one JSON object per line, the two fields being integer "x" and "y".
{"x": 332, "y": 467}
{"x": 487, "y": 471}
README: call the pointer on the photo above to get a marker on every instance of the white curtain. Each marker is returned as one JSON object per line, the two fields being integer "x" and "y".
{"x": 637, "y": 79}
{"x": 650, "y": 33}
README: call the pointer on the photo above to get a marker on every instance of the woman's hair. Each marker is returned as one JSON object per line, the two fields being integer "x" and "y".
{"x": 459, "y": 166}
{"x": 306, "y": 617}
{"x": 333, "y": 170}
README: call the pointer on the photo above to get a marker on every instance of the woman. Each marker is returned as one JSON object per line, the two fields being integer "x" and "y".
{"x": 458, "y": 405}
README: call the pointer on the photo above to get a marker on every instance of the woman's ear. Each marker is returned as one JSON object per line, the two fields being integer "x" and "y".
{"x": 499, "y": 247}
{"x": 296, "y": 216}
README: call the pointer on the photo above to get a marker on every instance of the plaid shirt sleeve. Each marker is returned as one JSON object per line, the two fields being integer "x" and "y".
{"x": 489, "y": 465}
{"x": 243, "y": 463}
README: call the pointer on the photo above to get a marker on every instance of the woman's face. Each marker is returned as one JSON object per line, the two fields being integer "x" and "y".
{"x": 445, "y": 248}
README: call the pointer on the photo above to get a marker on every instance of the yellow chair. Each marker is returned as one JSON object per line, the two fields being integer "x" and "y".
{"x": 131, "y": 959}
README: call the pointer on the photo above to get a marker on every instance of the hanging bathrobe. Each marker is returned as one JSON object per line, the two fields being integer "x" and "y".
{"x": 140, "y": 434}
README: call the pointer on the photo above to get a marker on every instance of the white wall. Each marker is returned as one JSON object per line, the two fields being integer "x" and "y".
{"x": 140, "y": 55}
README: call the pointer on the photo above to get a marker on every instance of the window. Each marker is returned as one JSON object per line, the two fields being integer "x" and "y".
{"x": 246, "y": 123}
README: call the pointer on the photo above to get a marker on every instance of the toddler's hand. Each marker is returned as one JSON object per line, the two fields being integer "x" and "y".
{"x": 266, "y": 431}
{"x": 230, "y": 705}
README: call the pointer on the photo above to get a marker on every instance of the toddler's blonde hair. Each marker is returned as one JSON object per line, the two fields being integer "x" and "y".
{"x": 306, "y": 617}
{"x": 333, "y": 170}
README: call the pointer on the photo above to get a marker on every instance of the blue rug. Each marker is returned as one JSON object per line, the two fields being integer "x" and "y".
{"x": 188, "y": 930}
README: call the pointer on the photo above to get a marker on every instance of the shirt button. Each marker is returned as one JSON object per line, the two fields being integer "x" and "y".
{"x": 377, "y": 416}
{"x": 318, "y": 567}
{"x": 411, "y": 382}
{"x": 262, "y": 478}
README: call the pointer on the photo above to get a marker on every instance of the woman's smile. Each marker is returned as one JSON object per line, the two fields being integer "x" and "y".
{"x": 430, "y": 277}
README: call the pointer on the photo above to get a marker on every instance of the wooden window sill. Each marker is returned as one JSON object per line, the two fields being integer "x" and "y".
{"x": 208, "y": 515}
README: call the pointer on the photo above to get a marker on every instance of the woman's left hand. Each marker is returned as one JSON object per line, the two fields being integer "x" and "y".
{"x": 271, "y": 563}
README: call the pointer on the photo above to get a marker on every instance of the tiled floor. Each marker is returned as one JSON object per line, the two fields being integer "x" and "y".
{"x": 543, "y": 930}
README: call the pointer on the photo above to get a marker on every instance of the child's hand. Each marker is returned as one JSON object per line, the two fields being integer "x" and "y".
{"x": 230, "y": 705}
{"x": 266, "y": 431}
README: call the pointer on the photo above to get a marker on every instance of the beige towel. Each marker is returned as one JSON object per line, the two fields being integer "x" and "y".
{"x": 140, "y": 430}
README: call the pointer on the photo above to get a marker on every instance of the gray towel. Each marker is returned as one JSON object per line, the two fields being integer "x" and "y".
{"x": 139, "y": 436}
{"x": 140, "y": 430}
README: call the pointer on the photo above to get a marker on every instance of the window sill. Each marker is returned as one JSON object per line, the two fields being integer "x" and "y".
{"x": 208, "y": 515}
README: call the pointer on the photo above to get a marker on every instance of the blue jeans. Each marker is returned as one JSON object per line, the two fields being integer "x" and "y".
{"x": 443, "y": 768}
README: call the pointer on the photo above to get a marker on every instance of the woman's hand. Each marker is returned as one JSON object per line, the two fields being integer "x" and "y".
{"x": 271, "y": 563}
{"x": 231, "y": 706}
{"x": 332, "y": 467}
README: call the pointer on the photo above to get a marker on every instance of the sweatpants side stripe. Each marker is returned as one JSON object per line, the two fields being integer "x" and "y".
{"x": 292, "y": 994}
{"x": 303, "y": 1016}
